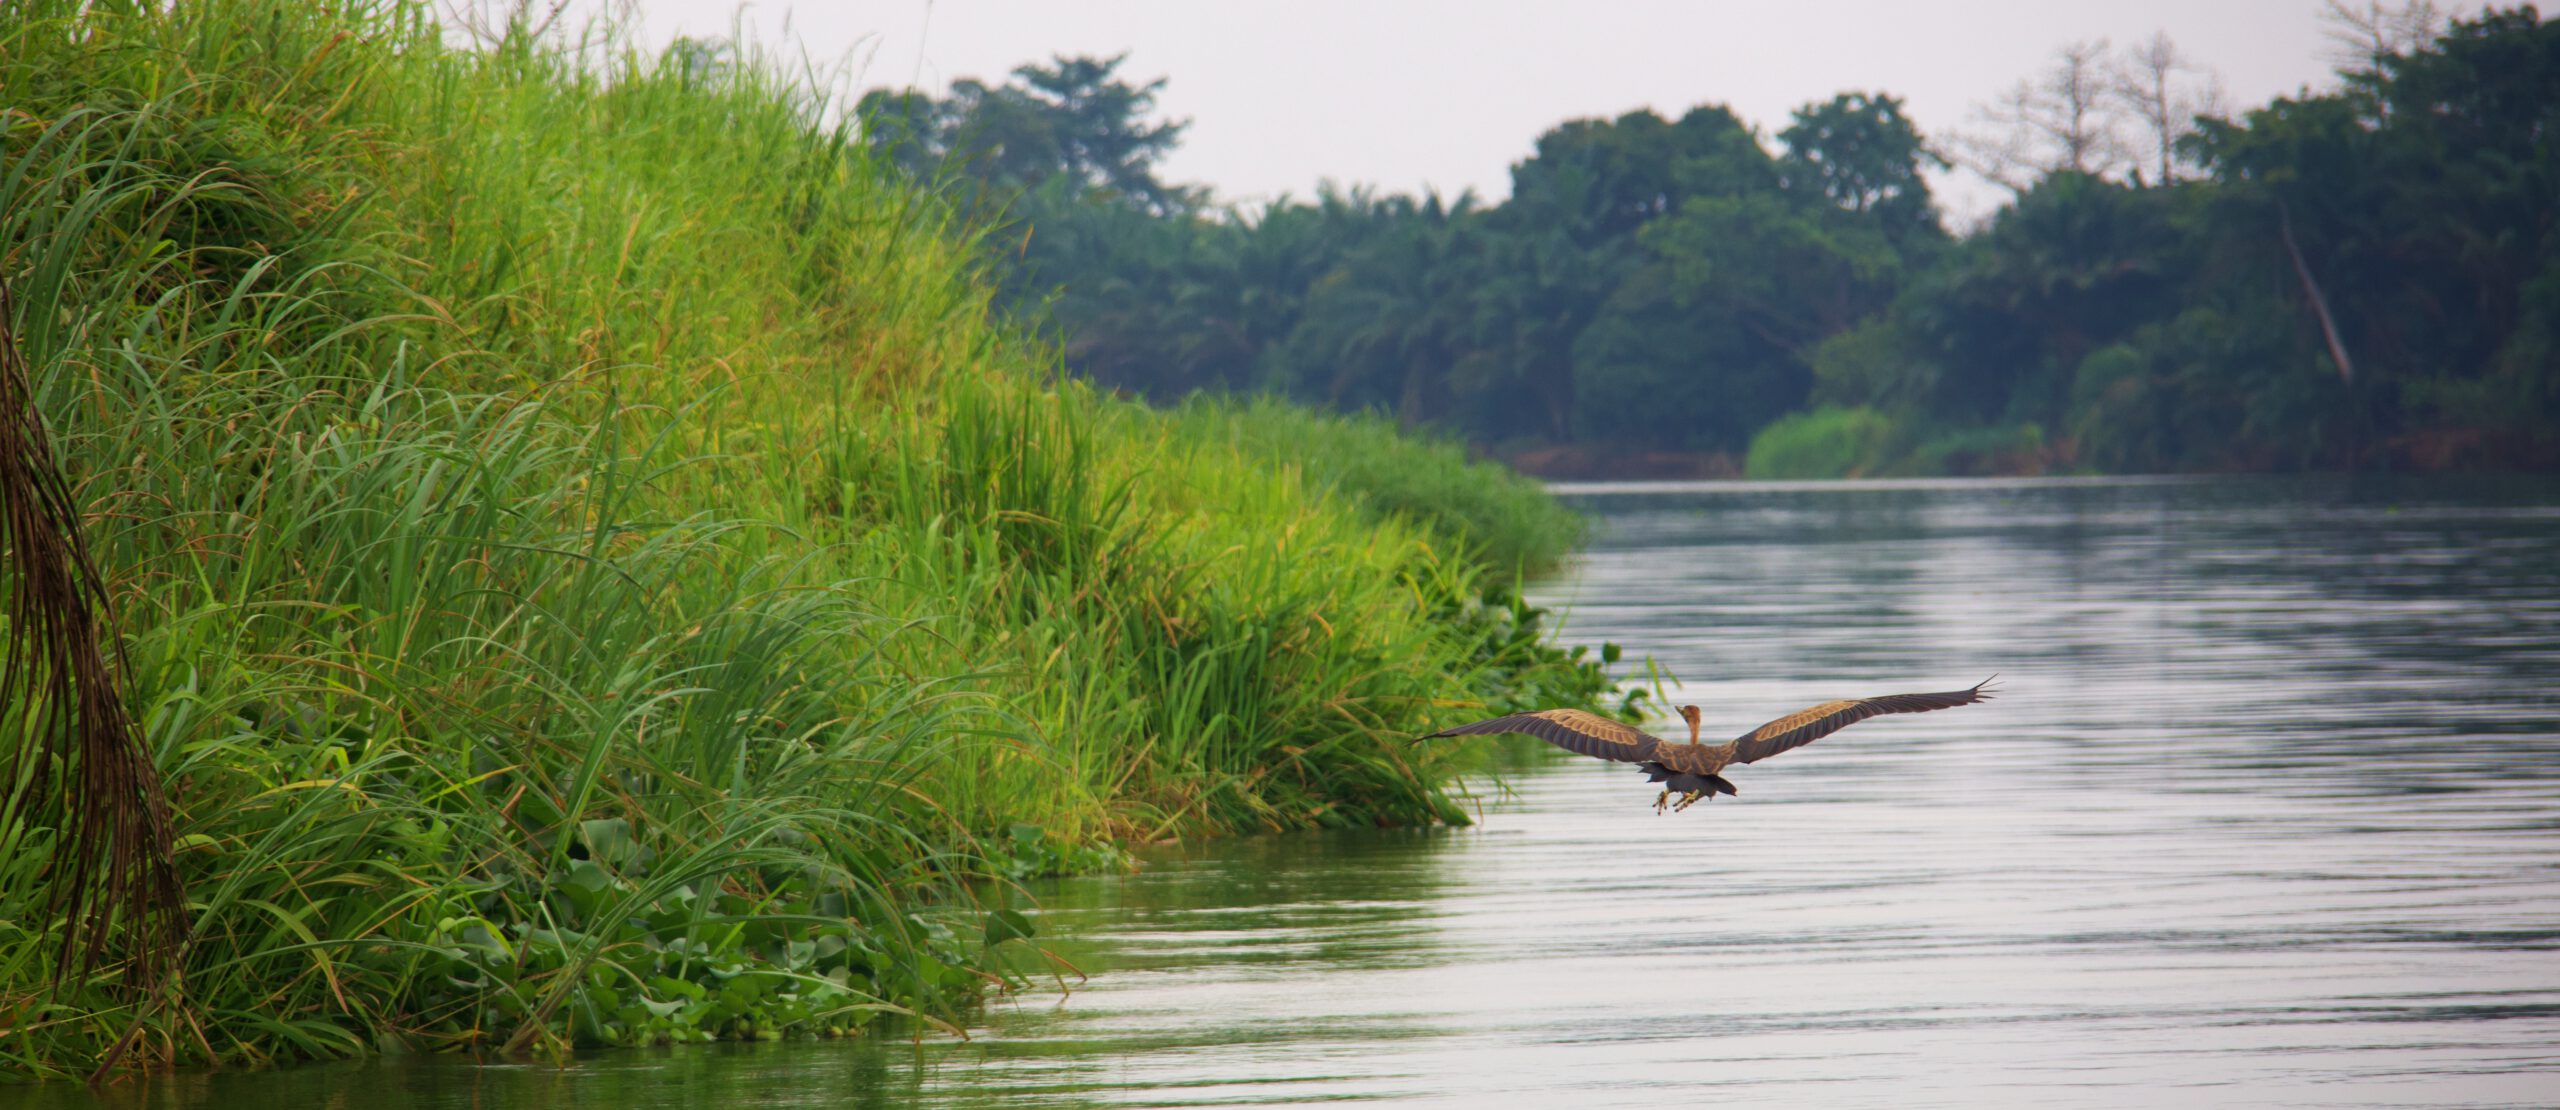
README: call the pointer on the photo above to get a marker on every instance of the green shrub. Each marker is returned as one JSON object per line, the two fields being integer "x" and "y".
{"x": 2002, "y": 449}
{"x": 1824, "y": 443}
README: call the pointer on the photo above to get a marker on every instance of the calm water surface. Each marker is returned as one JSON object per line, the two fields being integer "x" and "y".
{"x": 2268, "y": 815}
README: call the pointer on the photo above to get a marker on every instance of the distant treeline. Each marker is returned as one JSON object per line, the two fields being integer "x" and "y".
{"x": 2360, "y": 278}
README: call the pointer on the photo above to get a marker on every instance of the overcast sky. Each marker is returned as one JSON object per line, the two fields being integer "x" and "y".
{"x": 1406, "y": 95}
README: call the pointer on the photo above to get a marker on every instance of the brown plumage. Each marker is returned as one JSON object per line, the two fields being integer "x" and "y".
{"x": 1689, "y": 770}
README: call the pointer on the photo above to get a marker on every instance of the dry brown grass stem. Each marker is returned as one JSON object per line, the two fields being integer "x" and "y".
{"x": 79, "y": 760}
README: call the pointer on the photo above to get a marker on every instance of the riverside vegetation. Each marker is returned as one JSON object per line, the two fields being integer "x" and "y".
{"x": 2365, "y": 276}
{"x": 591, "y": 570}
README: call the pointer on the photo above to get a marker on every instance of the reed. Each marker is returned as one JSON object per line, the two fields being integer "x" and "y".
{"x": 1503, "y": 523}
{"x": 594, "y": 572}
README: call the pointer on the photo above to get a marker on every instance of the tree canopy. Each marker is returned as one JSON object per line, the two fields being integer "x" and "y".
{"x": 2362, "y": 277}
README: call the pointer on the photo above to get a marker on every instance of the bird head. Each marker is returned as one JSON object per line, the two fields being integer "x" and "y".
{"x": 1689, "y": 713}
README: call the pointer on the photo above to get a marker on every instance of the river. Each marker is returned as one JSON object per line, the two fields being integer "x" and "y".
{"x": 2267, "y": 814}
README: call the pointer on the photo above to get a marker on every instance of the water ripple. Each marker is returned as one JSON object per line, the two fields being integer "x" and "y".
{"x": 2268, "y": 814}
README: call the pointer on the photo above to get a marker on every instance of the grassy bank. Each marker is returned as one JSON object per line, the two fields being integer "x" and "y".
{"x": 1833, "y": 442}
{"x": 592, "y": 573}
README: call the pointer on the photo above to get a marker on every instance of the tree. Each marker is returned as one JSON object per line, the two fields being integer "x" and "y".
{"x": 1789, "y": 273}
{"x": 1700, "y": 348}
{"x": 1537, "y": 291}
{"x": 2063, "y": 121}
{"x": 2148, "y": 84}
{"x": 1073, "y": 119}
{"x": 2362, "y": 40}
{"x": 1859, "y": 151}
{"x": 2330, "y": 280}
{"x": 2075, "y": 264}
{"x": 1602, "y": 179}
{"x": 1099, "y": 129}
{"x": 1381, "y": 331}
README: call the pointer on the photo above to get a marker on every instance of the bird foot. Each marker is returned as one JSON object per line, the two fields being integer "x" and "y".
{"x": 1689, "y": 799}
{"x": 1662, "y": 801}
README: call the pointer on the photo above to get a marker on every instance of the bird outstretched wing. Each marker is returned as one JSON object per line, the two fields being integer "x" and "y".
{"x": 1570, "y": 729}
{"x": 1796, "y": 730}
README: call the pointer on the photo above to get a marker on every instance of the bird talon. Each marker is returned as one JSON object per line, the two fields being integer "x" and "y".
{"x": 1688, "y": 799}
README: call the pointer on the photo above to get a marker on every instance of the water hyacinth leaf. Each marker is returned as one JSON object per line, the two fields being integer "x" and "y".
{"x": 589, "y": 877}
{"x": 798, "y": 955}
{"x": 609, "y": 841}
{"x": 1005, "y": 925}
{"x": 671, "y": 987}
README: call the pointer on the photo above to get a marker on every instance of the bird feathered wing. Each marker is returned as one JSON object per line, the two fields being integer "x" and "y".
{"x": 1798, "y": 729}
{"x": 1570, "y": 729}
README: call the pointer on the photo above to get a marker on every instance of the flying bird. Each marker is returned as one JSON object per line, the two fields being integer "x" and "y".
{"x": 1689, "y": 770}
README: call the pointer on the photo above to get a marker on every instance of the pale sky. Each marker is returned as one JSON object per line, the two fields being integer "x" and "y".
{"x": 1404, "y": 95}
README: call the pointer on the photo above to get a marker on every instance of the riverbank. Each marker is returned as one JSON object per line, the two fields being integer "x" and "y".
{"x": 593, "y": 573}
{"x": 1827, "y": 443}
{"x": 1913, "y": 890}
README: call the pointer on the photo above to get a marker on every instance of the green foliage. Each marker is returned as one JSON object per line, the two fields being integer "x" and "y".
{"x": 1072, "y": 119}
{"x": 2005, "y": 449}
{"x": 1862, "y": 153}
{"x": 2179, "y": 328}
{"x": 594, "y": 572}
{"x": 1658, "y": 284}
{"x": 1032, "y": 852}
{"x": 1650, "y": 284}
{"x": 1827, "y": 442}
{"x": 1498, "y": 519}
{"x": 1877, "y": 364}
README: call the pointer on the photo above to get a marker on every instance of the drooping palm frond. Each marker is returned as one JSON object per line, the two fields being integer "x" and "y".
{"x": 77, "y": 762}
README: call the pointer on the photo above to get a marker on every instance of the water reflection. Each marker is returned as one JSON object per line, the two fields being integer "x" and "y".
{"x": 2270, "y": 815}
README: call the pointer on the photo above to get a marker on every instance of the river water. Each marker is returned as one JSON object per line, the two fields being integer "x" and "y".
{"x": 2267, "y": 814}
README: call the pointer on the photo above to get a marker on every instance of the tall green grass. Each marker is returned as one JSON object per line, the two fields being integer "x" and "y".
{"x": 1828, "y": 442}
{"x": 1503, "y": 523}
{"x": 595, "y": 574}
